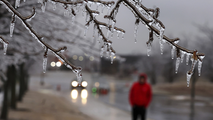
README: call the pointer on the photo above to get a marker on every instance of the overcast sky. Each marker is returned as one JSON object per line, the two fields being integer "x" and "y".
{"x": 179, "y": 17}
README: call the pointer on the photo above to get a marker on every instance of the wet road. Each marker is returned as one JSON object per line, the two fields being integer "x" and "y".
{"x": 115, "y": 106}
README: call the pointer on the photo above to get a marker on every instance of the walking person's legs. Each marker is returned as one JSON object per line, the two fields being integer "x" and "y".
{"x": 135, "y": 113}
{"x": 143, "y": 113}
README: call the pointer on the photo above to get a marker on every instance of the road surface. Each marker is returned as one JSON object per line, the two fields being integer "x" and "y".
{"x": 115, "y": 106}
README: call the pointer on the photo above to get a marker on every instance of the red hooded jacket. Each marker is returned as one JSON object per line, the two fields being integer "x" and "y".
{"x": 140, "y": 94}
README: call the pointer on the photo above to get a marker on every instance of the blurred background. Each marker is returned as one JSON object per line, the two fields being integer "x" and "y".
{"x": 105, "y": 86}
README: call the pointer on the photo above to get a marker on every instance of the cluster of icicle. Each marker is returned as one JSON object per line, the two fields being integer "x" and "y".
{"x": 24, "y": 21}
{"x": 151, "y": 15}
{"x": 106, "y": 49}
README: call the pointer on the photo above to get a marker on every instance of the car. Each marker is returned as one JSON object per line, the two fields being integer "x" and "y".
{"x": 76, "y": 84}
{"x": 100, "y": 88}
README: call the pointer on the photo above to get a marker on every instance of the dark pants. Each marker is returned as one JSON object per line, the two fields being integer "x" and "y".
{"x": 138, "y": 111}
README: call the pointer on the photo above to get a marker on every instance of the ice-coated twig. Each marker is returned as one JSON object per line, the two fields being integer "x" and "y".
{"x": 30, "y": 17}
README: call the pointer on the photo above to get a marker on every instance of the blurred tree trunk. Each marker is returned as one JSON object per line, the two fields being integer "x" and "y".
{"x": 152, "y": 76}
{"x": 168, "y": 71}
{"x": 21, "y": 82}
{"x": 13, "y": 87}
{"x": 6, "y": 99}
{"x": 193, "y": 82}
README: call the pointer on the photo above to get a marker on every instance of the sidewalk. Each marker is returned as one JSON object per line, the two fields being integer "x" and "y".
{"x": 38, "y": 106}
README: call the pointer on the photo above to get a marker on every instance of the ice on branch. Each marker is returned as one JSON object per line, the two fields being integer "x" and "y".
{"x": 12, "y": 25}
{"x": 187, "y": 58}
{"x": 17, "y": 4}
{"x": 149, "y": 49}
{"x": 44, "y": 64}
{"x": 78, "y": 74}
{"x": 177, "y": 65}
{"x": 182, "y": 56}
{"x": 149, "y": 43}
{"x": 43, "y": 4}
{"x": 45, "y": 60}
{"x": 5, "y": 48}
{"x": 86, "y": 29}
{"x": 194, "y": 60}
{"x": 112, "y": 57}
{"x": 136, "y": 29}
{"x": 200, "y": 61}
{"x": 102, "y": 51}
{"x": 5, "y": 44}
{"x": 188, "y": 77}
{"x": 54, "y": 5}
{"x": 161, "y": 39}
{"x": 173, "y": 51}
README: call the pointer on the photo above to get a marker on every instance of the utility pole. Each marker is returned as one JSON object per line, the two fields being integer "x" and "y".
{"x": 194, "y": 77}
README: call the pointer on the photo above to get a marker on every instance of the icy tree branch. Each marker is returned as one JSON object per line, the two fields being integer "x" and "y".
{"x": 1, "y": 38}
{"x": 149, "y": 17}
{"x": 39, "y": 39}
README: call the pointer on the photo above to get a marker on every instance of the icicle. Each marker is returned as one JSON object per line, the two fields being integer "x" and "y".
{"x": 54, "y": 5}
{"x": 194, "y": 62}
{"x": 43, "y": 7}
{"x": 44, "y": 64}
{"x": 108, "y": 33}
{"x": 149, "y": 46}
{"x": 78, "y": 74}
{"x": 112, "y": 57}
{"x": 102, "y": 51}
{"x": 118, "y": 35}
{"x": 113, "y": 25}
{"x": 87, "y": 16}
{"x": 135, "y": 32}
{"x": 94, "y": 31}
{"x": 66, "y": 12}
{"x": 188, "y": 77}
{"x": 5, "y": 47}
{"x": 102, "y": 8}
{"x": 73, "y": 19}
{"x": 187, "y": 58}
{"x": 173, "y": 51}
{"x": 177, "y": 64}
{"x": 17, "y": 4}
{"x": 11, "y": 28}
{"x": 122, "y": 35}
{"x": 182, "y": 56}
{"x": 161, "y": 39}
{"x": 86, "y": 29}
{"x": 199, "y": 67}
{"x": 97, "y": 6}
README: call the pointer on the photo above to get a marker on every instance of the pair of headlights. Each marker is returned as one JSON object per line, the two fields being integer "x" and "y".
{"x": 75, "y": 84}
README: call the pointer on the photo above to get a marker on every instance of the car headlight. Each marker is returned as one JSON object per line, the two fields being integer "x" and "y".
{"x": 74, "y": 83}
{"x": 84, "y": 83}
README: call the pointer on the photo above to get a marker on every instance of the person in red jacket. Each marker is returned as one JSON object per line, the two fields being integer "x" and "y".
{"x": 140, "y": 96}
